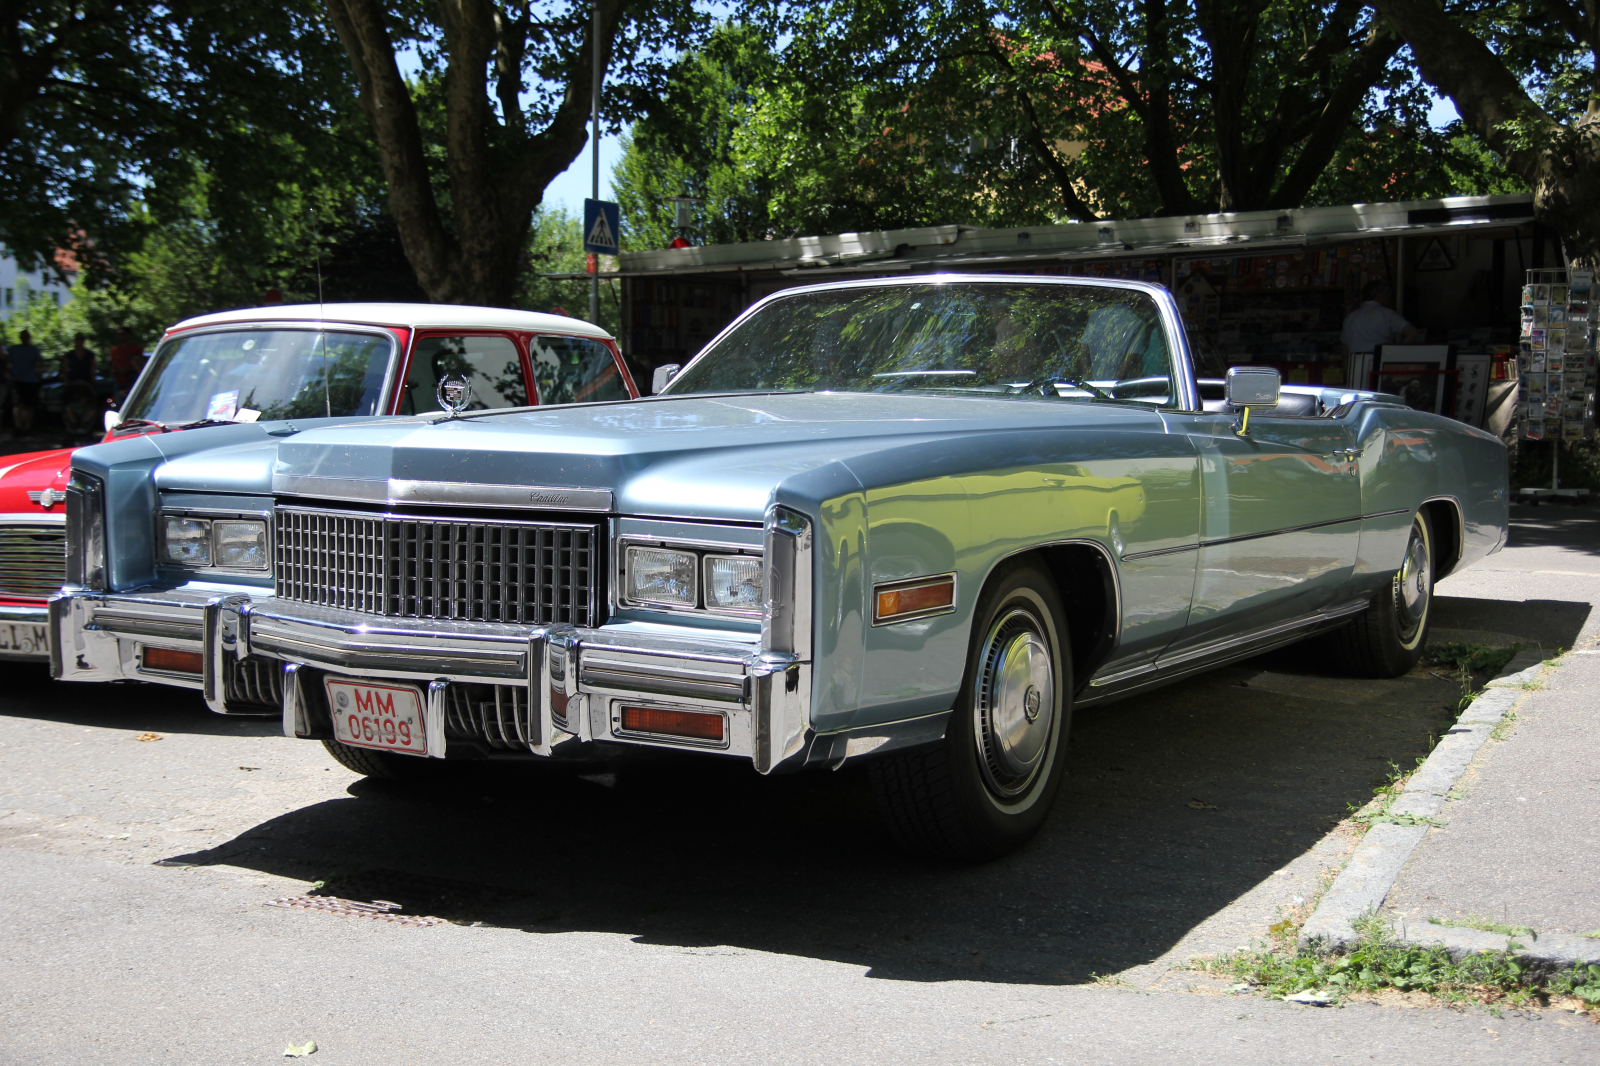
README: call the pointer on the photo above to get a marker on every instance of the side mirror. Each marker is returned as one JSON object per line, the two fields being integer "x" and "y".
{"x": 663, "y": 377}
{"x": 113, "y": 419}
{"x": 1251, "y": 386}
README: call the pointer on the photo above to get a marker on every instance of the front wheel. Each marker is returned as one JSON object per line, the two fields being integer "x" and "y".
{"x": 1387, "y": 639}
{"x": 987, "y": 789}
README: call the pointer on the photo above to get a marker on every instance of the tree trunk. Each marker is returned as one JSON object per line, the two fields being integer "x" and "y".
{"x": 496, "y": 176}
{"x": 1560, "y": 162}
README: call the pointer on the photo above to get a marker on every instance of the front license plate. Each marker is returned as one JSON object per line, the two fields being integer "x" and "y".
{"x": 20, "y": 638}
{"x": 383, "y": 717}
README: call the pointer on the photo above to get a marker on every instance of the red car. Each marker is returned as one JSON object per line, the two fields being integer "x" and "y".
{"x": 306, "y": 361}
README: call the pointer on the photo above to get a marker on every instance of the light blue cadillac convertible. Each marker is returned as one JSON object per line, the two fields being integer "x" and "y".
{"x": 913, "y": 521}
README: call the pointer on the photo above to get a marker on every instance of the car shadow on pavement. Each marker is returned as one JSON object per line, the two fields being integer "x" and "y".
{"x": 1574, "y": 529}
{"x": 139, "y": 708}
{"x": 1177, "y": 804}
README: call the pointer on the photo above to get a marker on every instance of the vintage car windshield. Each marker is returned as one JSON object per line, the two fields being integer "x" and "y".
{"x": 994, "y": 339}
{"x": 275, "y": 373}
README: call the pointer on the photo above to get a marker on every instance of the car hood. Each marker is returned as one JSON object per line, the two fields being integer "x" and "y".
{"x": 715, "y": 457}
{"x": 34, "y": 472}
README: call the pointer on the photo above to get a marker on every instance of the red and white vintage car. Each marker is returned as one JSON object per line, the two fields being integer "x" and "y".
{"x": 307, "y": 362}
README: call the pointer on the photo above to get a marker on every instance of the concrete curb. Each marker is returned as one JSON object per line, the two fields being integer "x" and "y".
{"x": 1364, "y": 883}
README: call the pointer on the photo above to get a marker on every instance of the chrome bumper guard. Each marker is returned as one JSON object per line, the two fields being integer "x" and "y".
{"x": 16, "y": 623}
{"x": 578, "y": 680}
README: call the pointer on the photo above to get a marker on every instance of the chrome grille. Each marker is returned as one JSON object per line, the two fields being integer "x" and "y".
{"x": 495, "y": 714}
{"x": 523, "y": 572}
{"x": 252, "y": 683}
{"x": 33, "y": 559}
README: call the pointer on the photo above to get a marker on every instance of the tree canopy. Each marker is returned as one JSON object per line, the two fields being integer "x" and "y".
{"x": 1525, "y": 77}
{"x": 107, "y": 106}
{"x": 835, "y": 116}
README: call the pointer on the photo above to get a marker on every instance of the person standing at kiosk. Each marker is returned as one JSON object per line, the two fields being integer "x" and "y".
{"x": 1376, "y": 321}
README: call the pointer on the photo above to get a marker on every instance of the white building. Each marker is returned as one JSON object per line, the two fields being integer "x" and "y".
{"x": 18, "y": 286}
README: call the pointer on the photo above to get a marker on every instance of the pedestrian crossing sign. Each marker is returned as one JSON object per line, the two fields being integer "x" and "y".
{"x": 600, "y": 227}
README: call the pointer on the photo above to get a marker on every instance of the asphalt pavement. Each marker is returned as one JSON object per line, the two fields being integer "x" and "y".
{"x": 690, "y": 911}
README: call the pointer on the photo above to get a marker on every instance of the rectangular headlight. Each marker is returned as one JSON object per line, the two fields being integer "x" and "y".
{"x": 734, "y": 583}
{"x": 188, "y": 541}
{"x": 655, "y": 575}
{"x": 240, "y": 545}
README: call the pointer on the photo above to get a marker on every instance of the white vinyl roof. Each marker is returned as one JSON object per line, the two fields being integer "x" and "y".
{"x": 414, "y": 316}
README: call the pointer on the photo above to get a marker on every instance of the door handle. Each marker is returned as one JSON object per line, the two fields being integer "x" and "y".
{"x": 1346, "y": 455}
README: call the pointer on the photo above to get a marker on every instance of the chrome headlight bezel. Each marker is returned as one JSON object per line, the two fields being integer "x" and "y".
{"x": 86, "y": 531}
{"x": 214, "y": 523}
{"x": 702, "y": 552}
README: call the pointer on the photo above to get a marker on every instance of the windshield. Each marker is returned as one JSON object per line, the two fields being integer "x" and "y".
{"x": 994, "y": 339}
{"x": 262, "y": 373}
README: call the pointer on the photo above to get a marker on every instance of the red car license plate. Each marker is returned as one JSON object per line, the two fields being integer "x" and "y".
{"x": 383, "y": 717}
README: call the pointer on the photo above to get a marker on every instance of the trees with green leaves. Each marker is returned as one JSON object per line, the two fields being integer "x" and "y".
{"x": 104, "y": 105}
{"x": 1525, "y": 77}
{"x": 501, "y": 107}
{"x": 833, "y": 116}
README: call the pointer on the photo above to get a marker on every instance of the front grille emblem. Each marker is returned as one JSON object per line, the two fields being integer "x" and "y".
{"x": 453, "y": 394}
{"x": 47, "y": 498}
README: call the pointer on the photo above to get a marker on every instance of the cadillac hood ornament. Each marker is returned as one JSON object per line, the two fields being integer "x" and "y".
{"x": 454, "y": 394}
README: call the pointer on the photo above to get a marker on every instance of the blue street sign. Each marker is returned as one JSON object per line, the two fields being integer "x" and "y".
{"x": 601, "y": 227}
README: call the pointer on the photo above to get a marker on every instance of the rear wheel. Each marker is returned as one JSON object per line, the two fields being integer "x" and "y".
{"x": 385, "y": 765}
{"x": 1387, "y": 639}
{"x": 987, "y": 789}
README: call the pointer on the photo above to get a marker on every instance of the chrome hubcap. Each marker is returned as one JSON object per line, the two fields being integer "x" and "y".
{"x": 1015, "y": 705}
{"x": 1412, "y": 584}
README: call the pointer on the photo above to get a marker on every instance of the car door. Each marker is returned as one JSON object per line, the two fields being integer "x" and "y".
{"x": 491, "y": 362}
{"x": 1279, "y": 524}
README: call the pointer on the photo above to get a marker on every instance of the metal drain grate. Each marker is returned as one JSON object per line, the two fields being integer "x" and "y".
{"x": 379, "y": 910}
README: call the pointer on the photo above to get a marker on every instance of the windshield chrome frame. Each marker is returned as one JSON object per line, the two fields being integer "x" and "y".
{"x": 304, "y": 325}
{"x": 1183, "y": 364}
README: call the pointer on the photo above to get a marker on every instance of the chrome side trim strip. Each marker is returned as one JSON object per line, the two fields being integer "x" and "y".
{"x": 1123, "y": 675}
{"x": 1218, "y": 647}
{"x": 1255, "y": 536}
{"x": 443, "y": 493}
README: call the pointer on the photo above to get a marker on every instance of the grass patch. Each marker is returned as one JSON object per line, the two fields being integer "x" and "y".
{"x": 1474, "y": 665}
{"x": 1379, "y": 962}
{"x": 1486, "y": 925}
{"x": 1380, "y": 809}
{"x": 1503, "y": 729}
{"x": 1476, "y": 658}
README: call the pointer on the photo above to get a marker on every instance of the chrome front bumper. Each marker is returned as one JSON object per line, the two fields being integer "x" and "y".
{"x": 577, "y": 680}
{"x": 18, "y": 629}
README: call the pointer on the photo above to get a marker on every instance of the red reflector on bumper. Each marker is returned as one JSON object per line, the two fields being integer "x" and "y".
{"x": 695, "y": 725}
{"x": 172, "y": 661}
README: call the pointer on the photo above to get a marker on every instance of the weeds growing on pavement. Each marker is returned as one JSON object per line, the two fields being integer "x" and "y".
{"x": 1379, "y": 962}
{"x": 1380, "y": 808}
{"x": 1478, "y": 658}
{"x": 1471, "y": 661}
{"x": 1486, "y": 925}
